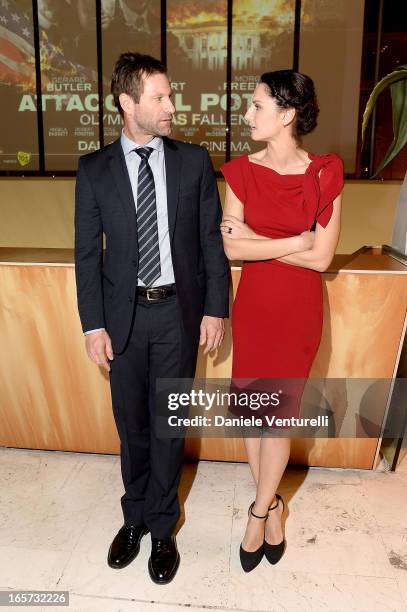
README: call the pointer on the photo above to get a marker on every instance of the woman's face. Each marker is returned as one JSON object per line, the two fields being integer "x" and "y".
{"x": 265, "y": 118}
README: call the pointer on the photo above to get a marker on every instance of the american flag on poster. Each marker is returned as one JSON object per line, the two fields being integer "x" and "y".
{"x": 17, "y": 59}
{"x": 17, "y": 54}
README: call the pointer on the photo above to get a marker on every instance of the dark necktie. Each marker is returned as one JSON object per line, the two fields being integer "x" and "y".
{"x": 147, "y": 229}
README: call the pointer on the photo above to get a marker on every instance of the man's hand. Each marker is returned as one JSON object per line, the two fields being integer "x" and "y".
{"x": 99, "y": 348}
{"x": 212, "y": 333}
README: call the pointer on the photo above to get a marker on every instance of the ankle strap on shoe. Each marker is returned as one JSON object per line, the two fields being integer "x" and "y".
{"x": 278, "y": 497}
{"x": 256, "y": 515}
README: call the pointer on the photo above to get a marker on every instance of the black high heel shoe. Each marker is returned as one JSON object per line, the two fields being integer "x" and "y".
{"x": 250, "y": 560}
{"x": 274, "y": 552}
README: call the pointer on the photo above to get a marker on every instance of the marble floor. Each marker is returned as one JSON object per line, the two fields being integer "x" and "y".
{"x": 346, "y": 533}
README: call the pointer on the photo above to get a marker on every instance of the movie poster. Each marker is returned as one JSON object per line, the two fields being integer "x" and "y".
{"x": 69, "y": 81}
{"x": 196, "y": 57}
{"x": 262, "y": 41}
{"x": 18, "y": 133}
{"x": 127, "y": 25}
{"x": 330, "y": 52}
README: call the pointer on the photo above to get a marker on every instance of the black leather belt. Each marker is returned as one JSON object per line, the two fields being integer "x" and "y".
{"x": 156, "y": 293}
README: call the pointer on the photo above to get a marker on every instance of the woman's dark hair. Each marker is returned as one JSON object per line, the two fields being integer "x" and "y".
{"x": 128, "y": 74}
{"x": 292, "y": 89}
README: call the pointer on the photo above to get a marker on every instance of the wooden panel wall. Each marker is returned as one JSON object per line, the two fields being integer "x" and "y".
{"x": 53, "y": 397}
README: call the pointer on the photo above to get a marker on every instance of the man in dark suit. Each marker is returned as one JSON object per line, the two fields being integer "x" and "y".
{"x": 160, "y": 291}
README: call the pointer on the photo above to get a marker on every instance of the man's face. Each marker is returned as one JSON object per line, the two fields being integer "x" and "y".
{"x": 153, "y": 114}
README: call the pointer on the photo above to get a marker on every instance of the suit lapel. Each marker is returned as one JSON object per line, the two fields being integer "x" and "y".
{"x": 118, "y": 168}
{"x": 172, "y": 158}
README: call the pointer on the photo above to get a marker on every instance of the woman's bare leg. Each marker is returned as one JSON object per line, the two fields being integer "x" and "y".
{"x": 253, "y": 455}
{"x": 271, "y": 460}
{"x": 269, "y": 479}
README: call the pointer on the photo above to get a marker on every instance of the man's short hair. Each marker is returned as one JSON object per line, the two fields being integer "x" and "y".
{"x": 128, "y": 74}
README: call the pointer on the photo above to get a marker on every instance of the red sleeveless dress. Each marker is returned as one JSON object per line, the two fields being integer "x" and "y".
{"x": 278, "y": 311}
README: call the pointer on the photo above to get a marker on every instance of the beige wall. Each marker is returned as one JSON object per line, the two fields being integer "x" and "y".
{"x": 38, "y": 212}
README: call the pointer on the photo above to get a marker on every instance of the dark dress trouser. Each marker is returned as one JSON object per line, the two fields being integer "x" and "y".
{"x": 151, "y": 466}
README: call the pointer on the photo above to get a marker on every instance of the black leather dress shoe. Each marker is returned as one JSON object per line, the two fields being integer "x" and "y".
{"x": 125, "y": 546}
{"x": 164, "y": 560}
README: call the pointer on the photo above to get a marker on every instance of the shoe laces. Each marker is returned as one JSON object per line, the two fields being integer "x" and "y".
{"x": 131, "y": 531}
{"x": 163, "y": 546}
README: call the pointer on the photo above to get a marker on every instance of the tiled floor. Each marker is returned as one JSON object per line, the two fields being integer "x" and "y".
{"x": 346, "y": 533}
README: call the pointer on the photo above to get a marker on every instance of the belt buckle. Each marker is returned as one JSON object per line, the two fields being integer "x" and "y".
{"x": 150, "y": 299}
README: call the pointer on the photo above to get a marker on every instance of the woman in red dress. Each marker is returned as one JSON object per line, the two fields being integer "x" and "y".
{"x": 282, "y": 219}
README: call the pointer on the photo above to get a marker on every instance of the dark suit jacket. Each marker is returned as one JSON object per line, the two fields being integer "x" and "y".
{"x": 106, "y": 286}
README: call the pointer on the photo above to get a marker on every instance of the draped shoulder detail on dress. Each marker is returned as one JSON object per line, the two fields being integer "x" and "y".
{"x": 235, "y": 173}
{"x": 321, "y": 191}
